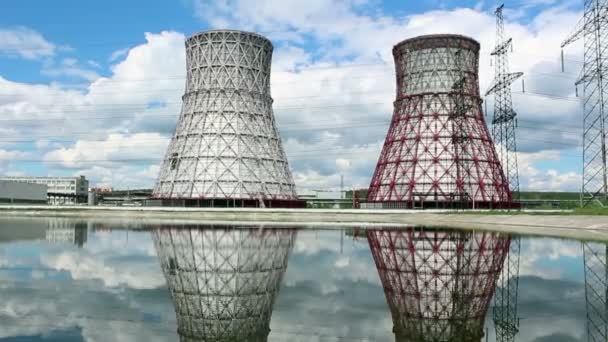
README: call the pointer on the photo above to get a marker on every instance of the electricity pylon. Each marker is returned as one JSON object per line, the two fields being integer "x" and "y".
{"x": 593, "y": 28}
{"x": 504, "y": 124}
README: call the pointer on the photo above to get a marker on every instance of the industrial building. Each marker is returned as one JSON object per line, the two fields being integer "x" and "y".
{"x": 438, "y": 284}
{"x": 223, "y": 280}
{"x": 438, "y": 152}
{"x": 61, "y": 190}
{"x": 22, "y": 193}
{"x": 60, "y": 230}
{"x": 226, "y": 150}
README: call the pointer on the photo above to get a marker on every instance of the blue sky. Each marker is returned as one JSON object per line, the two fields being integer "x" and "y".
{"x": 94, "y": 87}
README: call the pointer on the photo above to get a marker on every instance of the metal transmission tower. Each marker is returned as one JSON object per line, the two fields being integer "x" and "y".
{"x": 438, "y": 150}
{"x": 596, "y": 290}
{"x": 438, "y": 284}
{"x": 226, "y": 150}
{"x": 504, "y": 121}
{"x": 593, "y": 28}
{"x": 504, "y": 312}
{"x": 223, "y": 281}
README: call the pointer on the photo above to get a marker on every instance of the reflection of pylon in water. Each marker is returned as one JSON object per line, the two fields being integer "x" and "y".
{"x": 223, "y": 281}
{"x": 438, "y": 284}
{"x": 505, "y": 299}
{"x": 596, "y": 290}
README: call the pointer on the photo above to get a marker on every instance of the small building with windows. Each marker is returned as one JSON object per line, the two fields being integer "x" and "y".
{"x": 60, "y": 190}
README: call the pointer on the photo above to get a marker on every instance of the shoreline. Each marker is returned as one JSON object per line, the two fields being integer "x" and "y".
{"x": 537, "y": 223}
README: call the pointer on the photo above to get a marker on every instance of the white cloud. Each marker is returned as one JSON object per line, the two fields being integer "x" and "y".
{"x": 69, "y": 67}
{"x": 545, "y": 180}
{"x": 333, "y": 85}
{"x": 117, "y": 147}
{"x": 118, "y": 54}
{"x": 25, "y": 42}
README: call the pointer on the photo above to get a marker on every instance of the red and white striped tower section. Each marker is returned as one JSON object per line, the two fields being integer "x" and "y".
{"x": 438, "y": 284}
{"x": 438, "y": 152}
{"x": 223, "y": 280}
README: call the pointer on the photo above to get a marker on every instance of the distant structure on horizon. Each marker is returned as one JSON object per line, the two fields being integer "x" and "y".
{"x": 223, "y": 280}
{"x": 438, "y": 284}
{"x": 226, "y": 150}
{"x": 60, "y": 190}
{"x": 438, "y": 152}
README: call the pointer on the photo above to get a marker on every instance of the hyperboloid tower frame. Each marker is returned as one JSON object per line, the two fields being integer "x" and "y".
{"x": 223, "y": 280}
{"x": 593, "y": 28}
{"x": 438, "y": 283}
{"x": 438, "y": 151}
{"x": 226, "y": 150}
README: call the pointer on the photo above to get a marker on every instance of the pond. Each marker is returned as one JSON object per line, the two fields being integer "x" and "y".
{"x": 87, "y": 280}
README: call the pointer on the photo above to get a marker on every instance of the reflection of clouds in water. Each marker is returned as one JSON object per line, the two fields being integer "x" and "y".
{"x": 329, "y": 295}
{"x": 548, "y": 251}
{"x": 112, "y": 259}
{"x": 102, "y": 314}
{"x": 113, "y": 272}
{"x": 325, "y": 294}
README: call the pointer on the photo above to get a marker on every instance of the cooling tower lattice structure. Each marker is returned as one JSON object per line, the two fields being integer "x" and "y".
{"x": 226, "y": 150}
{"x": 438, "y": 151}
{"x": 438, "y": 284}
{"x": 223, "y": 281}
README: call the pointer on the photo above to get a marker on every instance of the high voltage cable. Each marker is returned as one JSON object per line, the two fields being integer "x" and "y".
{"x": 181, "y": 86}
{"x": 144, "y": 106}
{"x": 301, "y": 153}
{"x": 108, "y": 83}
{"x": 294, "y": 127}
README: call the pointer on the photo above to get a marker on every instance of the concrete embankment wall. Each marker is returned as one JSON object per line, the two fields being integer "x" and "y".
{"x": 537, "y": 223}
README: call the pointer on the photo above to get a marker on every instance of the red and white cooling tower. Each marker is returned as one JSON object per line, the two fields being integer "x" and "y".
{"x": 438, "y": 152}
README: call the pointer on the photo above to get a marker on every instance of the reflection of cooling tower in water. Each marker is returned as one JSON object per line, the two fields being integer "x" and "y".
{"x": 438, "y": 284}
{"x": 223, "y": 281}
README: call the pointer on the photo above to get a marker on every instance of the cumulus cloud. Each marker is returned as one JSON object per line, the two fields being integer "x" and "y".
{"x": 360, "y": 91}
{"x": 25, "y": 42}
{"x": 71, "y": 68}
{"x": 333, "y": 84}
{"x": 116, "y": 148}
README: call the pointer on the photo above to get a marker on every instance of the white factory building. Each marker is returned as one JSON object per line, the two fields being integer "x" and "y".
{"x": 22, "y": 193}
{"x": 61, "y": 190}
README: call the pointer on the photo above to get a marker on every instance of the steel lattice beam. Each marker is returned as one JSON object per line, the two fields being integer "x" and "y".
{"x": 226, "y": 145}
{"x": 438, "y": 284}
{"x": 438, "y": 151}
{"x": 593, "y": 28}
{"x": 596, "y": 290}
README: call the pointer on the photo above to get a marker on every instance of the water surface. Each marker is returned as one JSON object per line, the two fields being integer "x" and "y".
{"x": 75, "y": 280}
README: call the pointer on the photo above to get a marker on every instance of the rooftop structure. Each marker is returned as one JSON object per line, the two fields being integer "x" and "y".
{"x": 226, "y": 150}
{"x": 223, "y": 280}
{"x": 438, "y": 151}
